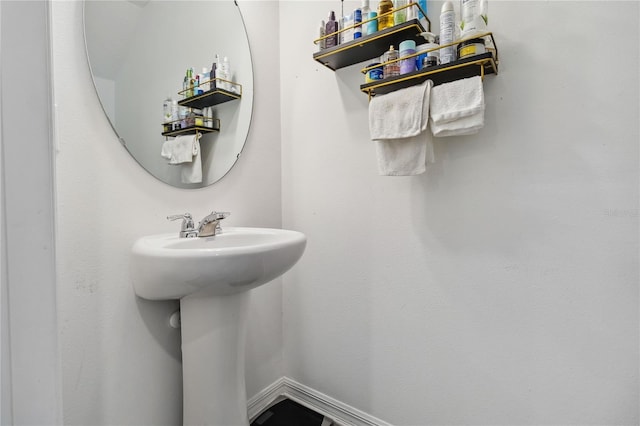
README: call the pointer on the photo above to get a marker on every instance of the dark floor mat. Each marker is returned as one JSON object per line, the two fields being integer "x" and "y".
{"x": 288, "y": 413}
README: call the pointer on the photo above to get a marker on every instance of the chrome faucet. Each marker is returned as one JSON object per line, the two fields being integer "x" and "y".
{"x": 208, "y": 227}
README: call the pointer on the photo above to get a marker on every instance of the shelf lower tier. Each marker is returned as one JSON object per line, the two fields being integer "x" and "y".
{"x": 192, "y": 130}
{"x": 464, "y": 68}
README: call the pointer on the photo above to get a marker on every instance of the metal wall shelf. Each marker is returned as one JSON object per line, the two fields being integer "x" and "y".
{"x": 464, "y": 68}
{"x": 210, "y": 98}
{"x": 370, "y": 46}
{"x": 191, "y": 130}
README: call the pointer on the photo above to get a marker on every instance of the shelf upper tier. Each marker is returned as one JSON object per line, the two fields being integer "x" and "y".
{"x": 210, "y": 98}
{"x": 370, "y": 46}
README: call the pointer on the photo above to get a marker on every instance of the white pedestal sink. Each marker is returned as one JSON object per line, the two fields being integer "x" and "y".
{"x": 211, "y": 276}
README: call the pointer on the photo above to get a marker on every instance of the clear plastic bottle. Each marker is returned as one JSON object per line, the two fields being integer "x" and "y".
{"x": 393, "y": 69}
{"x": 365, "y": 9}
{"x": 385, "y": 21}
{"x": 400, "y": 15}
{"x": 166, "y": 109}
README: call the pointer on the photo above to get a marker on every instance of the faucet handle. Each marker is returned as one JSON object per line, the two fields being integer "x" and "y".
{"x": 210, "y": 225}
{"x": 221, "y": 215}
{"x": 187, "y": 227}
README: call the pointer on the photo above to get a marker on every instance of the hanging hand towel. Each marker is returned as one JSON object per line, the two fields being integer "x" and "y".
{"x": 192, "y": 172}
{"x": 456, "y": 100}
{"x": 185, "y": 151}
{"x": 397, "y": 123}
{"x": 180, "y": 149}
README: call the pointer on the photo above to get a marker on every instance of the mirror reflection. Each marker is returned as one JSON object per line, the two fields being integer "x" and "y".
{"x": 151, "y": 64}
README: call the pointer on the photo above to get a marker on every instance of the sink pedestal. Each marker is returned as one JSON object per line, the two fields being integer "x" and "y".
{"x": 213, "y": 354}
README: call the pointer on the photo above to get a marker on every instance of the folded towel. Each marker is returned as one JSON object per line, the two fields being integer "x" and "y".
{"x": 397, "y": 123}
{"x": 400, "y": 114}
{"x": 180, "y": 149}
{"x": 463, "y": 126}
{"x": 455, "y": 100}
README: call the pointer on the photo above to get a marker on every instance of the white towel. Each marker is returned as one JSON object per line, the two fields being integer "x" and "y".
{"x": 397, "y": 123}
{"x": 181, "y": 149}
{"x": 185, "y": 151}
{"x": 463, "y": 126}
{"x": 455, "y": 100}
{"x": 192, "y": 172}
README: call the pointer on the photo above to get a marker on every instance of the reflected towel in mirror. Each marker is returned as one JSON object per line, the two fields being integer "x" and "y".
{"x": 185, "y": 151}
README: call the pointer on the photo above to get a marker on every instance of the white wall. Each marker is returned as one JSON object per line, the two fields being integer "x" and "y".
{"x": 501, "y": 286}
{"x": 120, "y": 361}
{"x": 30, "y": 374}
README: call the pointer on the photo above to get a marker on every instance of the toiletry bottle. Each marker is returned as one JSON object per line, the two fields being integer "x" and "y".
{"x": 322, "y": 44}
{"x": 166, "y": 109}
{"x": 447, "y": 32}
{"x": 423, "y": 5}
{"x": 225, "y": 74}
{"x": 372, "y": 26}
{"x": 357, "y": 19}
{"x": 385, "y": 6}
{"x": 347, "y": 34}
{"x": 393, "y": 69}
{"x": 330, "y": 30}
{"x": 204, "y": 80}
{"x": 197, "y": 90}
{"x": 191, "y": 82}
{"x": 412, "y": 11}
{"x": 400, "y": 15}
{"x": 185, "y": 84}
{"x": 469, "y": 11}
{"x": 174, "y": 111}
{"x": 213, "y": 73}
{"x": 364, "y": 11}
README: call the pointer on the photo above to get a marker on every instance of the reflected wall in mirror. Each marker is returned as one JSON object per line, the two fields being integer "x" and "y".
{"x": 139, "y": 52}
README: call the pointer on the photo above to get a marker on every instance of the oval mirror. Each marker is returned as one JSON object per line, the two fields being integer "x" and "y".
{"x": 140, "y": 52}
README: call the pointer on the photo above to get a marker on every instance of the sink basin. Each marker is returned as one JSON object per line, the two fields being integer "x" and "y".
{"x": 211, "y": 276}
{"x": 239, "y": 259}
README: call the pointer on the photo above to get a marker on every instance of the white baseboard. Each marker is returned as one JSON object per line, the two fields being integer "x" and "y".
{"x": 338, "y": 412}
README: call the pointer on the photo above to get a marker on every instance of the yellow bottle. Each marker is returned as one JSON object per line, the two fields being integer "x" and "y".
{"x": 385, "y": 6}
